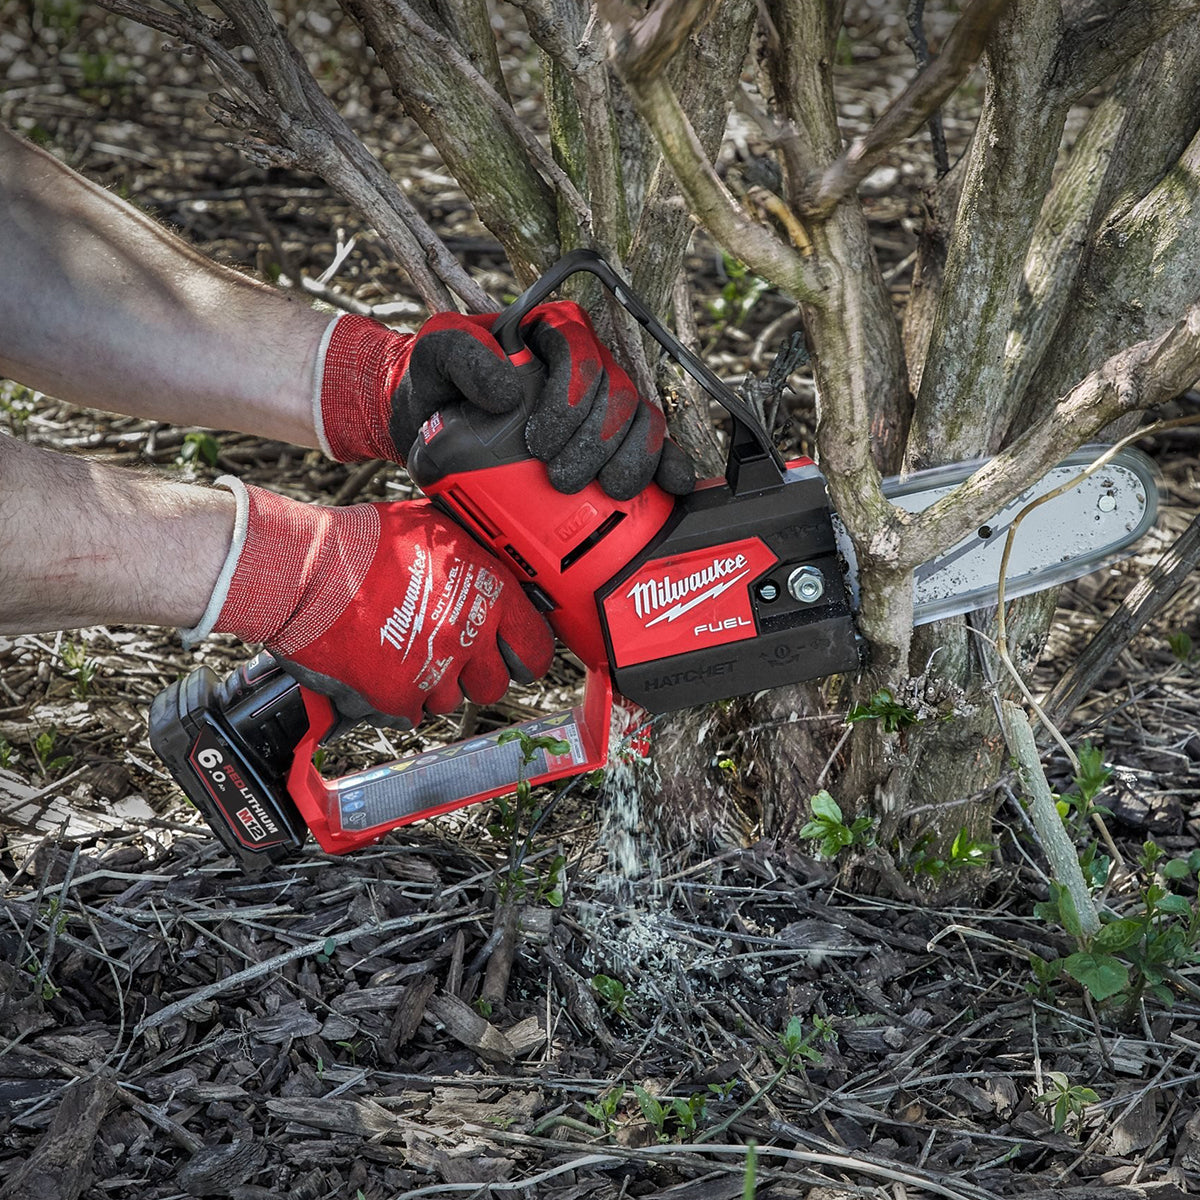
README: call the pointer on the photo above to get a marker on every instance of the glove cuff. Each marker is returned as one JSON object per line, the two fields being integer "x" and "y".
{"x": 360, "y": 363}
{"x": 291, "y": 571}
{"x": 207, "y": 623}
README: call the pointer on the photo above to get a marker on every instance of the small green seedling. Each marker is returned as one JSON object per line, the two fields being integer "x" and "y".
{"x": 1181, "y": 647}
{"x": 613, "y": 992}
{"x": 672, "y": 1116}
{"x": 1090, "y": 780}
{"x": 965, "y": 853}
{"x": 49, "y": 763}
{"x": 1065, "y": 1100}
{"x": 198, "y": 446}
{"x": 742, "y": 291}
{"x": 798, "y": 1047}
{"x": 75, "y": 658}
{"x": 829, "y": 828}
{"x": 8, "y": 756}
{"x": 512, "y": 816}
{"x": 887, "y": 710}
{"x": 603, "y": 1109}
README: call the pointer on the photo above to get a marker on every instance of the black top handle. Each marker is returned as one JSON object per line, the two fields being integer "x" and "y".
{"x": 754, "y": 464}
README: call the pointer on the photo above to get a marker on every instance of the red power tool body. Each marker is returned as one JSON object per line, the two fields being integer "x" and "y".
{"x": 673, "y": 602}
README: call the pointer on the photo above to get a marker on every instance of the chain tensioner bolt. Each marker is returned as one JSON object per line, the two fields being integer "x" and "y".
{"x": 806, "y": 584}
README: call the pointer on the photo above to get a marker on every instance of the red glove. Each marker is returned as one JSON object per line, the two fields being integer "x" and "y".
{"x": 379, "y": 387}
{"x": 388, "y": 608}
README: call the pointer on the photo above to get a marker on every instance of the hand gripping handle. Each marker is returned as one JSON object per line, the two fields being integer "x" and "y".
{"x": 754, "y": 464}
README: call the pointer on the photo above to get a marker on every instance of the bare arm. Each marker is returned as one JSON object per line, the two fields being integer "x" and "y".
{"x": 102, "y": 307}
{"x": 84, "y": 544}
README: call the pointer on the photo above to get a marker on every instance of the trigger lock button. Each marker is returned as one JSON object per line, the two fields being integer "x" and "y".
{"x": 538, "y": 598}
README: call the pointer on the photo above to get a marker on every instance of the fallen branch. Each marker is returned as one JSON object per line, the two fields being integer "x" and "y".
{"x": 1149, "y": 596}
{"x": 1064, "y": 861}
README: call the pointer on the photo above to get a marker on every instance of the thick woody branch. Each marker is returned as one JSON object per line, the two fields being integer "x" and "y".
{"x": 913, "y": 107}
{"x": 479, "y": 148}
{"x": 711, "y": 201}
{"x": 1144, "y": 375}
{"x": 962, "y": 406}
{"x": 1101, "y": 36}
{"x": 646, "y": 45}
{"x": 470, "y": 77}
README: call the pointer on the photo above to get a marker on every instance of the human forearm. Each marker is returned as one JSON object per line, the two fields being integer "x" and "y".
{"x": 85, "y": 544}
{"x": 101, "y": 306}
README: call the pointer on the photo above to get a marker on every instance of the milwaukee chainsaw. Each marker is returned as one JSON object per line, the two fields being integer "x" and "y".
{"x": 745, "y": 585}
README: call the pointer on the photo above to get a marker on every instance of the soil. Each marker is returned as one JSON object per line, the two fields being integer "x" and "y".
{"x": 171, "y": 1026}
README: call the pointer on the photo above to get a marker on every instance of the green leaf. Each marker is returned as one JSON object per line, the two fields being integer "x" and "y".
{"x": 1151, "y": 853}
{"x": 1163, "y": 995}
{"x": 1095, "y": 867}
{"x": 793, "y": 1035}
{"x": 1092, "y": 774}
{"x": 1045, "y": 971}
{"x": 652, "y": 1110}
{"x": 1102, "y": 974}
{"x": 1171, "y": 903}
{"x": 1068, "y": 914}
{"x": 1117, "y": 935}
{"x": 823, "y": 805}
{"x": 1177, "y": 868}
{"x": 1181, "y": 646}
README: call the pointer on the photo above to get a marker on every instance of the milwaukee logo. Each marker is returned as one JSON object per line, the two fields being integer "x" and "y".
{"x": 409, "y": 616}
{"x": 678, "y": 596}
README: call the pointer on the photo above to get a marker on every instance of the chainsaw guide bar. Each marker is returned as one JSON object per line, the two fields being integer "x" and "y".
{"x": 1090, "y": 526}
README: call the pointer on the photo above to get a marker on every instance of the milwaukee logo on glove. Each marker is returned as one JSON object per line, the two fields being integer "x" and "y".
{"x": 469, "y": 589}
{"x": 408, "y": 618}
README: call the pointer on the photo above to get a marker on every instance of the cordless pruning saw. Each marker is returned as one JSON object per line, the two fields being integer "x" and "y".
{"x": 745, "y": 585}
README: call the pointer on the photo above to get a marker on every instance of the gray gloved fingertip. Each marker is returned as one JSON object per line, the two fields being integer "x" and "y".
{"x": 569, "y": 477}
{"x": 676, "y": 473}
{"x": 517, "y": 670}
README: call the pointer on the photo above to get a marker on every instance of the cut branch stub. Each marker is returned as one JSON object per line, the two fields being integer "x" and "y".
{"x": 647, "y": 44}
